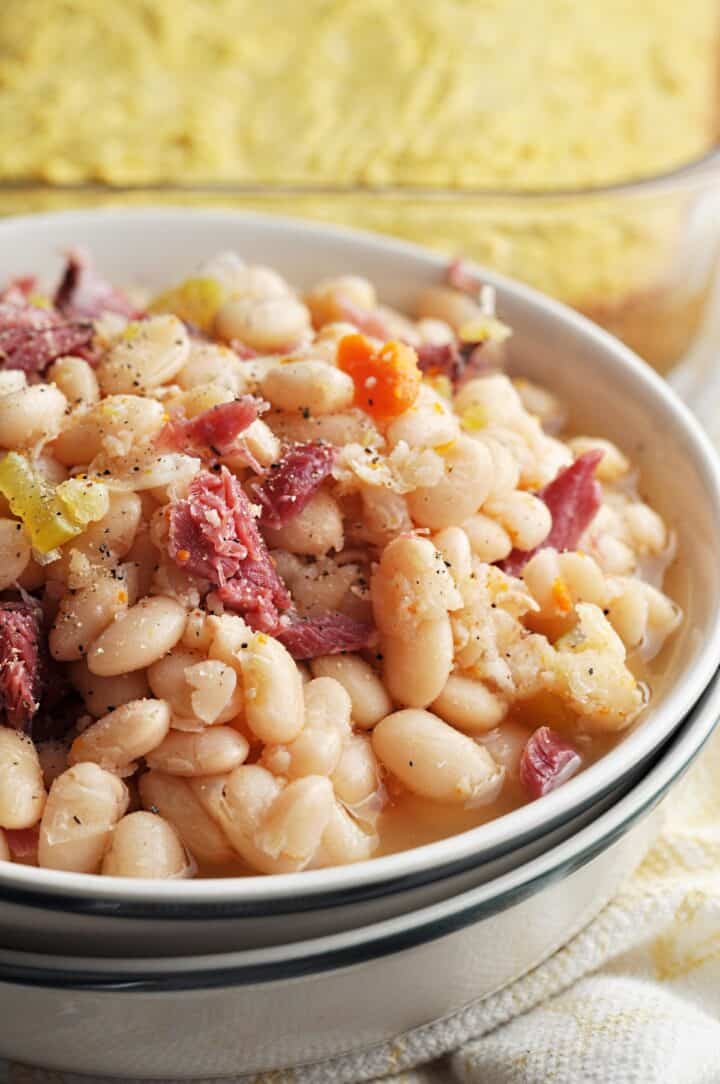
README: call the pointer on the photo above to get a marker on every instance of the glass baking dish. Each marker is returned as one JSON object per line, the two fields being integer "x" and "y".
{"x": 639, "y": 258}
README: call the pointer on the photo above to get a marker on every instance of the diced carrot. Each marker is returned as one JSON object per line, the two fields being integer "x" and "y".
{"x": 387, "y": 380}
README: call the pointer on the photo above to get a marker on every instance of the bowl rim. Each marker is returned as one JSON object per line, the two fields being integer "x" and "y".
{"x": 389, "y": 936}
{"x": 242, "y": 896}
{"x": 694, "y": 172}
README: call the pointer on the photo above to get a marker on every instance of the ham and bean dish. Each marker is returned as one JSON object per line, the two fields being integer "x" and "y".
{"x": 291, "y": 580}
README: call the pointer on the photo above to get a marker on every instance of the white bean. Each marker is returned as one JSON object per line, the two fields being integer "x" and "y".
{"x": 12, "y": 380}
{"x": 76, "y": 380}
{"x": 434, "y": 760}
{"x": 525, "y": 517}
{"x": 273, "y": 690}
{"x": 469, "y": 705}
{"x": 266, "y": 324}
{"x": 450, "y": 306}
{"x": 14, "y": 551}
{"x": 488, "y": 540}
{"x": 314, "y": 531}
{"x": 240, "y": 802}
{"x": 146, "y": 354}
{"x": 84, "y": 614}
{"x": 167, "y": 680}
{"x": 464, "y": 486}
{"x": 176, "y": 801}
{"x": 454, "y": 546}
{"x": 214, "y": 751}
{"x": 145, "y": 845}
{"x": 356, "y": 778}
{"x": 317, "y": 749}
{"x": 210, "y": 364}
{"x": 297, "y": 819}
{"x": 428, "y": 423}
{"x": 137, "y": 638}
{"x": 31, "y": 415}
{"x": 613, "y": 464}
{"x": 114, "y": 534}
{"x": 368, "y": 696}
{"x": 348, "y": 427}
{"x": 83, "y": 806}
{"x": 410, "y": 585}
{"x": 115, "y": 424}
{"x": 344, "y": 841}
{"x": 416, "y": 668}
{"x": 103, "y": 694}
{"x": 123, "y": 736}
{"x": 215, "y": 694}
{"x": 309, "y": 385}
{"x": 327, "y": 299}
{"x": 22, "y": 790}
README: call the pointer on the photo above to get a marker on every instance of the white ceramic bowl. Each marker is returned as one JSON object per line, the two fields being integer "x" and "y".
{"x": 336, "y": 996}
{"x": 608, "y": 390}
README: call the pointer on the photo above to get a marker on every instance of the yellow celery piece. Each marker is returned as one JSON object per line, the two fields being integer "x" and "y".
{"x": 50, "y": 520}
{"x": 484, "y": 329}
{"x": 195, "y": 300}
{"x": 83, "y": 499}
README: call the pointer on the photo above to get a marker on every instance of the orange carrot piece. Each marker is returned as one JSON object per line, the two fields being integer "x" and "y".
{"x": 387, "y": 379}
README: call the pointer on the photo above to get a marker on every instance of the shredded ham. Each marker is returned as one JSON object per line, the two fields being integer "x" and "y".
{"x": 213, "y": 534}
{"x": 292, "y": 481}
{"x": 547, "y": 761}
{"x": 32, "y": 337}
{"x": 83, "y": 293}
{"x": 325, "y": 634}
{"x": 213, "y": 433}
{"x": 573, "y": 498}
{"x": 459, "y": 362}
{"x": 20, "y": 662}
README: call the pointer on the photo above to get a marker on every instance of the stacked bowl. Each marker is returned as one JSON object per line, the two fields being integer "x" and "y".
{"x": 229, "y": 976}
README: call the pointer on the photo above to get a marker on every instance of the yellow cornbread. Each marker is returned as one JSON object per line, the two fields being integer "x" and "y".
{"x": 505, "y": 93}
{"x": 458, "y": 94}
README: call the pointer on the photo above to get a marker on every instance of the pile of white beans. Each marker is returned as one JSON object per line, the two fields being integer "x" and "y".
{"x": 204, "y": 747}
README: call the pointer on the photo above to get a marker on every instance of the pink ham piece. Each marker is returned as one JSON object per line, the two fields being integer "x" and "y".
{"x": 458, "y": 362}
{"x": 325, "y": 634}
{"x": 547, "y": 761}
{"x": 213, "y": 534}
{"x": 20, "y": 662}
{"x": 291, "y": 482}
{"x": 83, "y": 293}
{"x": 365, "y": 320}
{"x": 23, "y": 843}
{"x": 573, "y": 498}
{"x": 213, "y": 433}
{"x": 31, "y": 337}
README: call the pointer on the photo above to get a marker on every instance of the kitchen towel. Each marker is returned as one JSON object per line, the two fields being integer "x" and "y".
{"x": 632, "y": 999}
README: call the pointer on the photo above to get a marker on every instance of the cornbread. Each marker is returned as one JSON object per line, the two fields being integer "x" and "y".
{"x": 495, "y": 94}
